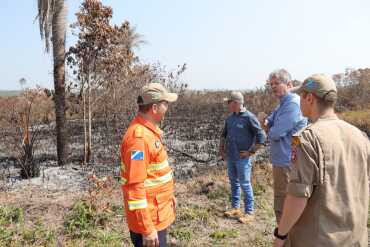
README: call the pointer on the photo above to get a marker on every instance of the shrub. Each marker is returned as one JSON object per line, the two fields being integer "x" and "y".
{"x": 80, "y": 220}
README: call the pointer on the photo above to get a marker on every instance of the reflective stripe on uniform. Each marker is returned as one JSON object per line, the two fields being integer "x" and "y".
{"x": 157, "y": 166}
{"x": 123, "y": 166}
{"x": 139, "y": 204}
{"x": 160, "y": 180}
{"x": 122, "y": 181}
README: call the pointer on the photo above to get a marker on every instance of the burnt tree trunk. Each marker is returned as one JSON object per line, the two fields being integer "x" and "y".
{"x": 58, "y": 39}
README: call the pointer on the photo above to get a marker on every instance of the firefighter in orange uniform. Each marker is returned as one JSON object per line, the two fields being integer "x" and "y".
{"x": 147, "y": 178}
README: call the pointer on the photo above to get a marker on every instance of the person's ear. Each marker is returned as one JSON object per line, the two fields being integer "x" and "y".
{"x": 155, "y": 108}
{"x": 311, "y": 98}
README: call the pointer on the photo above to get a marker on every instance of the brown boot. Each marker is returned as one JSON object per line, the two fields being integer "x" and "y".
{"x": 233, "y": 213}
{"x": 245, "y": 218}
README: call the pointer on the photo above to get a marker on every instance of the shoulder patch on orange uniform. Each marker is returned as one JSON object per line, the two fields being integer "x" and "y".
{"x": 139, "y": 132}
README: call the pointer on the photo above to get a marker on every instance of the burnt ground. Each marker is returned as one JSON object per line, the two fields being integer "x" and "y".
{"x": 202, "y": 190}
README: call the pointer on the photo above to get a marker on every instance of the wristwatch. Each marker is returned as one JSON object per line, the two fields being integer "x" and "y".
{"x": 281, "y": 237}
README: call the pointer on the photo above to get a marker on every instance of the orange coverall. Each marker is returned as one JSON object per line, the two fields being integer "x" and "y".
{"x": 146, "y": 178}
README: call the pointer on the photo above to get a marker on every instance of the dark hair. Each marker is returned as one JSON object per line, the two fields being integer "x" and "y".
{"x": 145, "y": 108}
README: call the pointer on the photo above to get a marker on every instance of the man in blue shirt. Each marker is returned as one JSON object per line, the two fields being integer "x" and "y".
{"x": 242, "y": 135}
{"x": 282, "y": 123}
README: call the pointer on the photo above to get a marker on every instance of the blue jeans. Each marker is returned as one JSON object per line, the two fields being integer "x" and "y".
{"x": 239, "y": 172}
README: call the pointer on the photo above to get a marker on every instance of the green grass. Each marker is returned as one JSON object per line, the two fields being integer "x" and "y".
{"x": 83, "y": 226}
{"x": 220, "y": 192}
{"x": 79, "y": 221}
{"x": 10, "y": 215}
{"x": 108, "y": 238}
{"x": 259, "y": 189}
{"x": 83, "y": 220}
{"x": 14, "y": 232}
{"x": 86, "y": 226}
{"x": 199, "y": 222}
{"x": 182, "y": 233}
{"x": 224, "y": 234}
{"x": 38, "y": 234}
{"x": 190, "y": 213}
{"x": 261, "y": 241}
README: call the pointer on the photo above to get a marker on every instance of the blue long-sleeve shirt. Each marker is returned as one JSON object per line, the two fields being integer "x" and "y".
{"x": 283, "y": 122}
{"x": 241, "y": 132}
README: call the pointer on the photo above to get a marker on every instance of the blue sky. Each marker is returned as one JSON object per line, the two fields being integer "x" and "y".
{"x": 227, "y": 44}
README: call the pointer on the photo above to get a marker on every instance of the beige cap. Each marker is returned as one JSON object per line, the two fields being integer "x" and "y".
{"x": 235, "y": 96}
{"x": 155, "y": 92}
{"x": 319, "y": 84}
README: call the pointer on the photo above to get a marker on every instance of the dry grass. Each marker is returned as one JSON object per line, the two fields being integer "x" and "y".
{"x": 357, "y": 117}
{"x": 49, "y": 219}
{"x": 360, "y": 119}
{"x": 200, "y": 220}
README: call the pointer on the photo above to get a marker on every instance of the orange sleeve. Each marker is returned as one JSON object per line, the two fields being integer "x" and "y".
{"x": 136, "y": 157}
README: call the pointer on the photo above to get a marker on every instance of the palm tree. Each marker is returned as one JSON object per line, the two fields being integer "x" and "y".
{"x": 52, "y": 20}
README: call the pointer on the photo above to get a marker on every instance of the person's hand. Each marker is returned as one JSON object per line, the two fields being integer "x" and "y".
{"x": 261, "y": 117}
{"x": 151, "y": 240}
{"x": 278, "y": 242}
{"x": 244, "y": 154}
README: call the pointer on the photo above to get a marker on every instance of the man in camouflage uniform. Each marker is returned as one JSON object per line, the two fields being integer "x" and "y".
{"x": 328, "y": 192}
